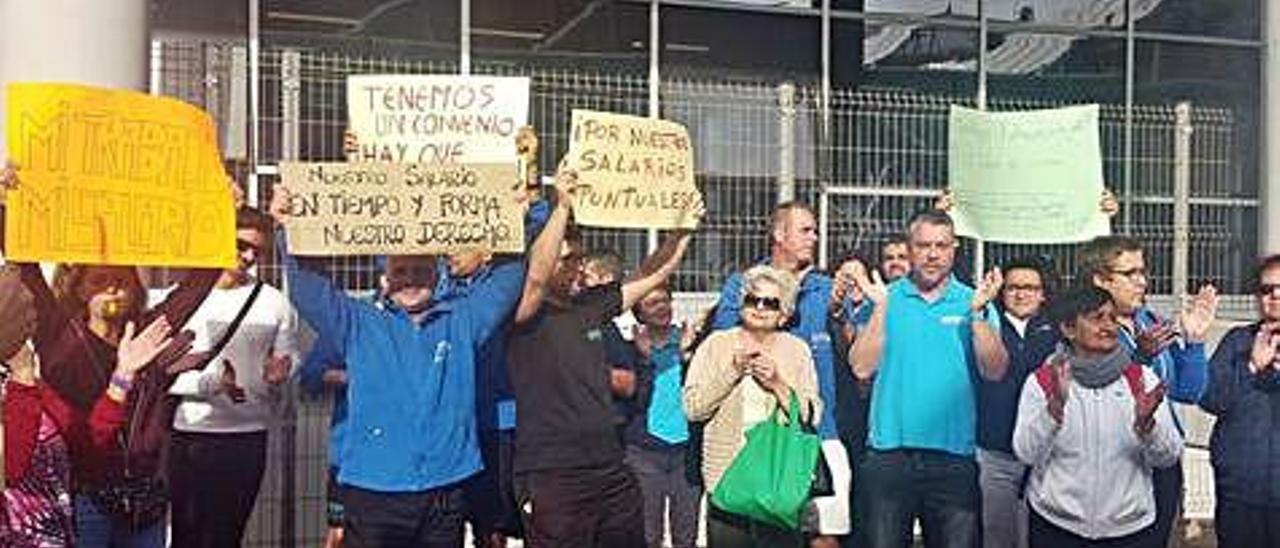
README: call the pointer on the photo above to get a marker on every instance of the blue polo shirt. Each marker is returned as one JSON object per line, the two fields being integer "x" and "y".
{"x": 924, "y": 396}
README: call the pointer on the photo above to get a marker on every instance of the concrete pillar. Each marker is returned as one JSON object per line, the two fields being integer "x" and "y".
{"x": 1269, "y": 213}
{"x": 95, "y": 42}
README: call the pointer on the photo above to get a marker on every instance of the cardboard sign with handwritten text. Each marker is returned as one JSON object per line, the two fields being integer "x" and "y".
{"x": 637, "y": 172}
{"x": 437, "y": 119}
{"x": 1031, "y": 177}
{"x": 115, "y": 177}
{"x": 379, "y": 208}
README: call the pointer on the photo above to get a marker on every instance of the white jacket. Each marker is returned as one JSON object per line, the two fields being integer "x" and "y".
{"x": 1091, "y": 475}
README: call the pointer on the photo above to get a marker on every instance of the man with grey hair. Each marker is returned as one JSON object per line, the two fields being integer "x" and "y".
{"x": 928, "y": 338}
{"x": 793, "y": 243}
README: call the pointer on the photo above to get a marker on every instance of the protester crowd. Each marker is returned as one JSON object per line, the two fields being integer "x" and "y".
{"x": 505, "y": 392}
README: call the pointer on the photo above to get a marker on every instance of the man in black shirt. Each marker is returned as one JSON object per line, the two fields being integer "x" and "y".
{"x": 572, "y": 485}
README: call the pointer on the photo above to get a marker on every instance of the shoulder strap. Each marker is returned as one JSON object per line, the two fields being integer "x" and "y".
{"x": 1044, "y": 377}
{"x": 1133, "y": 377}
{"x": 235, "y": 324}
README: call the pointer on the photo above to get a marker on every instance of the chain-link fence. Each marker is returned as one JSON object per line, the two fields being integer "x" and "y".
{"x": 874, "y": 157}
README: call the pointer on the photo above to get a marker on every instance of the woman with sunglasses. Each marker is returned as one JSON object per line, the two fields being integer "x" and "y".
{"x": 1244, "y": 382}
{"x": 737, "y": 378}
{"x": 83, "y": 318}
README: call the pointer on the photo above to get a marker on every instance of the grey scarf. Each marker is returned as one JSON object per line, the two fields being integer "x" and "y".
{"x": 1099, "y": 371}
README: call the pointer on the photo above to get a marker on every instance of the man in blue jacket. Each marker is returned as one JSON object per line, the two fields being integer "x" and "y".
{"x": 490, "y": 495}
{"x": 1244, "y": 395}
{"x": 1174, "y": 351}
{"x": 411, "y": 367}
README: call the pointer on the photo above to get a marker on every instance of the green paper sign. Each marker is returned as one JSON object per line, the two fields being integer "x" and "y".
{"x": 1031, "y": 177}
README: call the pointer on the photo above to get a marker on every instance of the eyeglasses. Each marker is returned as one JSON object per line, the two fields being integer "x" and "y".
{"x": 1024, "y": 287}
{"x": 933, "y": 246}
{"x": 761, "y": 303}
{"x": 1132, "y": 273}
{"x": 1268, "y": 290}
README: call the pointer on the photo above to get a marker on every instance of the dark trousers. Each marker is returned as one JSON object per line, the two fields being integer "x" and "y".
{"x": 1168, "y": 486}
{"x": 490, "y": 495}
{"x": 1047, "y": 535}
{"x": 725, "y": 530}
{"x": 429, "y": 519}
{"x": 597, "y": 506}
{"x": 214, "y": 480}
{"x": 938, "y": 488}
{"x": 1246, "y": 526}
{"x": 662, "y": 478}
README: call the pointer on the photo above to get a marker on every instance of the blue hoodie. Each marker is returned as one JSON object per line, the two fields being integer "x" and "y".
{"x": 495, "y": 399}
{"x": 1183, "y": 365}
{"x": 411, "y": 386}
{"x": 324, "y": 356}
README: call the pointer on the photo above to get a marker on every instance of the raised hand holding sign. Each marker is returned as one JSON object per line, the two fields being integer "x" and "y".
{"x": 638, "y": 172}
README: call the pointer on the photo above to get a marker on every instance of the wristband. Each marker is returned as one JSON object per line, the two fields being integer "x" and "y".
{"x": 125, "y": 384}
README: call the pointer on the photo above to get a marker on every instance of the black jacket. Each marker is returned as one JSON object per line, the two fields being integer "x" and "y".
{"x": 1245, "y": 445}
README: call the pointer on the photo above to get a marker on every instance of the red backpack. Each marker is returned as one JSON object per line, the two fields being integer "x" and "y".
{"x": 1132, "y": 377}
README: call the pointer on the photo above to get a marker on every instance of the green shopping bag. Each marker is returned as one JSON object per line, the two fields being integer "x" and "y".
{"x": 770, "y": 478}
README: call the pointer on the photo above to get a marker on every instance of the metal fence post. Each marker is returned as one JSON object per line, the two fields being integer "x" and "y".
{"x": 290, "y": 144}
{"x": 655, "y": 84}
{"x": 786, "y": 142}
{"x": 1181, "y": 197}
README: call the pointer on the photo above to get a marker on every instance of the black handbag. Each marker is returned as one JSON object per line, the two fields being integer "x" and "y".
{"x": 135, "y": 502}
{"x": 823, "y": 485}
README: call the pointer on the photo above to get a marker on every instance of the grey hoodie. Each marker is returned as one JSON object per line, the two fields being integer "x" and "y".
{"x": 1091, "y": 475}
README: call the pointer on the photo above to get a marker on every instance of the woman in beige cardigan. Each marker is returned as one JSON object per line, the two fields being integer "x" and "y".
{"x": 737, "y": 378}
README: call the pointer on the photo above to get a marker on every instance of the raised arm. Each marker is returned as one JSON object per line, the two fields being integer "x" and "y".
{"x": 633, "y": 290}
{"x": 491, "y": 297}
{"x": 545, "y": 252}
{"x": 1189, "y": 358}
{"x": 868, "y": 347}
{"x": 318, "y": 301}
{"x": 988, "y": 346}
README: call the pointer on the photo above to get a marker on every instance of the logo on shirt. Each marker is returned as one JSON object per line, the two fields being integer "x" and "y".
{"x": 951, "y": 320}
{"x": 594, "y": 335}
{"x": 442, "y": 352}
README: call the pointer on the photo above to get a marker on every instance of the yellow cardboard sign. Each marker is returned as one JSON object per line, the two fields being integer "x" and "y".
{"x": 637, "y": 172}
{"x": 115, "y": 177}
{"x": 401, "y": 209}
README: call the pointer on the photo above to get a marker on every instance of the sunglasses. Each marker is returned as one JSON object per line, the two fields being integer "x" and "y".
{"x": 1267, "y": 289}
{"x": 762, "y": 303}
